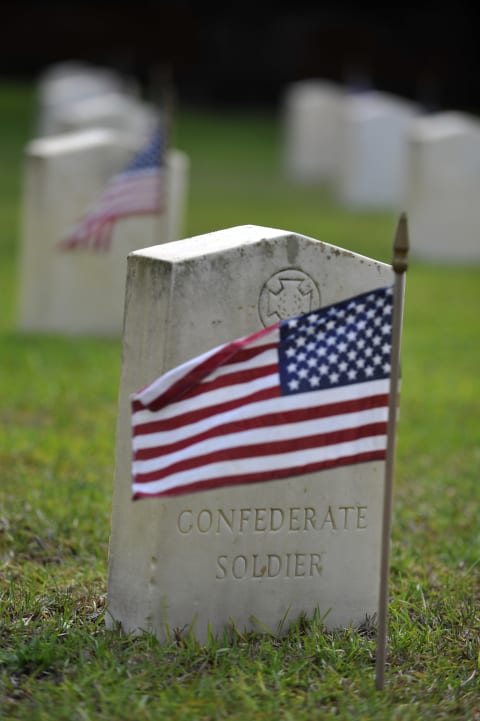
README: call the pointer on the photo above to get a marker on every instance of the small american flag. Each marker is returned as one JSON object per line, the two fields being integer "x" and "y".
{"x": 304, "y": 395}
{"x": 137, "y": 190}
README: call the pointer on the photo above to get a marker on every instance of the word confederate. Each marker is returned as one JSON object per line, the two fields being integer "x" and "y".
{"x": 272, "y": 520}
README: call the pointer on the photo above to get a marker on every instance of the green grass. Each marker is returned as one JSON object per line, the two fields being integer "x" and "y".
{"x": 57, "y": 415}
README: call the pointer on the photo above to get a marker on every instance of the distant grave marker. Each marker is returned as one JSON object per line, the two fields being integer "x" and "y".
{"x": 442, "y": 191}
{"x": 373, "y": 130}
{"x": 110, "y": 110}
{"x": 81, "y": 291}
{"x": 258, "y": 555}
{"x": 310, "y": 119}
{"x": 66, "y": 83}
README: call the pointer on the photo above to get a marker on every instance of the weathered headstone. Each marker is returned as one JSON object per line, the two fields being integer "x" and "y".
{"x": 373, "y": 132}
{"x": 69, "y": 82}
{"x": 249, "y": 555}
{"x": 310, "y": 118}
{"x": 110, "y": 110}
{"x": 80, "y": 290}
{"x": 442, "y": 190}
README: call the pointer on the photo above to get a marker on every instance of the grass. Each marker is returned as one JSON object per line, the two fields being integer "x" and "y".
{"x": 58, "y": 411}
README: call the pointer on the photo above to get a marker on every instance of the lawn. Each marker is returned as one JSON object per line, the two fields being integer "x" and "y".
{"x": 57, "y": 414}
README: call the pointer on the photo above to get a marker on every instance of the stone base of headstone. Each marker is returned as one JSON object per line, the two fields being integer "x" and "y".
{"x": 250, "y": 557}
{"x": 82, "y": 290}
{"x": 442, "y": 192}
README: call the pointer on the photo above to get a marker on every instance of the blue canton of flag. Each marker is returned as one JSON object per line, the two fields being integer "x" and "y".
{"x": 349, "y": 342}
{"x": 136, "y": 190}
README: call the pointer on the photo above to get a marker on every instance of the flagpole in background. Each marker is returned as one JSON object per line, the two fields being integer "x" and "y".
{"x": 399, "y": 264}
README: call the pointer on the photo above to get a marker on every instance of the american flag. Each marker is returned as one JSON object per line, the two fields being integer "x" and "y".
{"x": 306, "y": 394}
{"x": 136, "y": 190}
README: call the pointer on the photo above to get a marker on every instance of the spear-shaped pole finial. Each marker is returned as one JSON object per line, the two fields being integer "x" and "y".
{"x": 401, "y": 245}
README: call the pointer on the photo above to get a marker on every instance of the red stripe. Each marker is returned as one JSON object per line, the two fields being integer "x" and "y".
{"x": 265, "y": 449}
{"x": 267, "y": 420}
{"x": 246, "y": 354}
{"x": 193, "y": 378}
{"x": 200, "y": 413}
{"x": 232, "y": 379}
{"x": 279, "y": 474}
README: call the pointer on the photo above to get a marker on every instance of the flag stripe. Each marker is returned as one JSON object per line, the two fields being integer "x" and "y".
{"x": 159, "y": 423}
{"x": 268, "y": 467}
{"x": 157, "y": 489}
{"x": 219, "y": 401}
{"x": 155, "y": 469}
{"x": 177, "y": 382}
{"x": 258, "y": 441}
{"x": 294, "y": 422}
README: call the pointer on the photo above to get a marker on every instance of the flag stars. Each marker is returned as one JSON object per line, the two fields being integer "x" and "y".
{"x": 347, "y": 343}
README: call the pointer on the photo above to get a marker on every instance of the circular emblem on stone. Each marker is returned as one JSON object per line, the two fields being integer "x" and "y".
{"x": 287, "y": 293}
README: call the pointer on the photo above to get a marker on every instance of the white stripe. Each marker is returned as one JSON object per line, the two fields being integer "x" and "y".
{"x": 208, "y": 399}
{"x": 249, "y": 410}
{"x": 236, "y": 392}
{"x": 270, "y": 435}
{"x": 226, "y": 469}
{"x": 159, "y": 386}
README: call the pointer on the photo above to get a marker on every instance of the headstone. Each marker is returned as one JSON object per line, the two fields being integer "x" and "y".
{"x": 69, "y": 82}
{"x": 373, "y": 132}
{"x": 442, "y": 191}
{"x": 310, "y": 118}
{"x": 247, "y": 555}
{"x": 110, "y": 110}
{"x": 80, "y": 290}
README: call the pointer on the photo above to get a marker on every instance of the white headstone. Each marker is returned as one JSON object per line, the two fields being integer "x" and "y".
{"x": 69, "y": 82}
{"x": 443, "y": 188}
{"x": 373, "y": 132}
{"x": 310, "y": 118}
{"x": 110, "y": 110}
{"x": 81, "y": 290}
{"x": 249, "y": 555}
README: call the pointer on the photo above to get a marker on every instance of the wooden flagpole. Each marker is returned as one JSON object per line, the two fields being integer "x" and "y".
{"x": 399, "y": 264}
